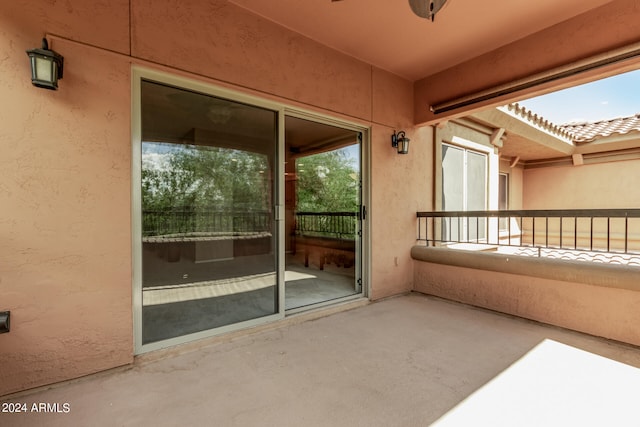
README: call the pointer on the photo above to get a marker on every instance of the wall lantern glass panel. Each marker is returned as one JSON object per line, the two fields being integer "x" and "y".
{"x": 46, "y": 66}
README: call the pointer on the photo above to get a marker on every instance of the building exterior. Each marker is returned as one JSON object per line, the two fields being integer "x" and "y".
{"x": 147, "y": 80}
{"x": 544, "y": 165}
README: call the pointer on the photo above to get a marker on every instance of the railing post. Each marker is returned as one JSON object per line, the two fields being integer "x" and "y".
{"x": 608, "y": 233}
{"x": 533, "y": 234}
{"x": 546, "y": 231}
{"x": 626, "y": 232}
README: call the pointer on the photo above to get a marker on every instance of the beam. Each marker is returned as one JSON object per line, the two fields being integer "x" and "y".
{"x": 496, "y": 137}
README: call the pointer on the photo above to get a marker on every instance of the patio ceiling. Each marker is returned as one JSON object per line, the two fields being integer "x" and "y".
{"x": 386, "y": 33}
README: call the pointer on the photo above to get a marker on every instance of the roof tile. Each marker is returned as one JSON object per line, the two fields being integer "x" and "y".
{"x": 587, "y": 132}
{"x": 584, "y": 131}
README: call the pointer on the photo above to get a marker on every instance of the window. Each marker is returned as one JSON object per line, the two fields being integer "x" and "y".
{"x": 464, "y": 188}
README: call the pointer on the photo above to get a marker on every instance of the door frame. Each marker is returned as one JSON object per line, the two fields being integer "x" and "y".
{"x": 363, "y": 264}
{"x": 139, "y": 73}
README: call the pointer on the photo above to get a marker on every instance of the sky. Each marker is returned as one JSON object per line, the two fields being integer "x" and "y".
{"x": 617, "y": 96}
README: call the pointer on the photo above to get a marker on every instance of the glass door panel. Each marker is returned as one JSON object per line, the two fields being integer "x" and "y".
{"x": 209, "y": 247}
{"x": 452, "y": 191}
{"x": 476, "y": 194}
{"x": 464, "y": 188}
{"x": 323, "y": 206}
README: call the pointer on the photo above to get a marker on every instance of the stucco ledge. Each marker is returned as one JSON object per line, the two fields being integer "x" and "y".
{"x": 594, "y": 274}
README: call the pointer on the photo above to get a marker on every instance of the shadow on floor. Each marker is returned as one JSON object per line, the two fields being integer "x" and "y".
{"x": 405, "y": 361}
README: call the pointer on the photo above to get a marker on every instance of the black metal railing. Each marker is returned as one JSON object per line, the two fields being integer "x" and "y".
{"x": 595, "y": 230}
{"x": 185, "y": 221}
{"x": 341, "y": 225}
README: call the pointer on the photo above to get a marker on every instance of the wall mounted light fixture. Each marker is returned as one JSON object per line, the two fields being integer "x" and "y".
{"x": 46, "y": 66}
{"x": 5, "y": 321}
{"x": 400, "y": 141}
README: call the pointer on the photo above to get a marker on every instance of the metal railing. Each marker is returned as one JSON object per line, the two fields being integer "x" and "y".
{"x": 185, "y": 221}
{"x": 594, "y": 230}
{"x": 341, "y": 225}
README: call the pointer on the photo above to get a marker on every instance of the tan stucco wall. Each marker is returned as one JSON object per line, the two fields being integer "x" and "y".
{"x": 516, "y": 184}
{"x": 601, "y": 300}
{"x": 610, "y": 185}
{"x": 401, "y": 186}
{"x": 595, "y": 186}
{"x": 65, "y": 167}
{"x": 65, "y": 161}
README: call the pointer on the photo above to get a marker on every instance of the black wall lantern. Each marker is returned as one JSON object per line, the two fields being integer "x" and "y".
{"x": 401, "y": 142}
{"x": 46, "y": 66}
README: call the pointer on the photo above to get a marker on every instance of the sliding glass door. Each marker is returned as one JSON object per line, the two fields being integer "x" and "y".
{"x": 324, "y": 213}
{"x": 464, "y": 188}
{"x": 208, "y": 232}
{"x": 243, "y": 210}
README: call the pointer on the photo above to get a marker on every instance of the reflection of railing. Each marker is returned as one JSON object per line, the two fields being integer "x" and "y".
{"x": 595, "y": 230}
{"x": 189, "y": 221}
{"x": 341, "y": 225}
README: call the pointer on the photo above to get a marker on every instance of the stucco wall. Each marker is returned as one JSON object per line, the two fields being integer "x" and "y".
{"x": 516, "y": 184}
{"x": 594, "y": 186}
{"x": 401, "y": 186}
{"x": 597, "y": 299}
{"x": 65, "y": 269}
{"x": 65, "y": 163}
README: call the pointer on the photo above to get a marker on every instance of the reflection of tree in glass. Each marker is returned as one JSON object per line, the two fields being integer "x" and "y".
{"x": 196, "y": 182}
{"x": 327, "y": 182}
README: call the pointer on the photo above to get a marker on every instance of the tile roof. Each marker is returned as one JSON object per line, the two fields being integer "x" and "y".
{"x": 587, "y": 132}
{"x": 580, "y": 132}
{"x": 538, "y": 120}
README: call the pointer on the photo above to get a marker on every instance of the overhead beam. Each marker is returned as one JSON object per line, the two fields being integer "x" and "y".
{"x": 578, "y": 159}
{"x": 496, "y": 137}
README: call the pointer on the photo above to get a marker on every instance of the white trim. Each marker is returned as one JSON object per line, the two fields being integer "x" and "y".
{"x": 465, "y": 152}
{"x": 323, "y": 304}
{"x": 326, "y": 119}
{"x": 280, "y": 200}
{"x": 182, "y": 82}
{"x": 470, "y": 145}
{"x": 136, "y": 207}
{"x": 183, "y": 339}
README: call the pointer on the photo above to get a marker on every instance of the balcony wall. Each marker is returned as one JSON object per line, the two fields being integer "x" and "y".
{"x": 597, "y": 299}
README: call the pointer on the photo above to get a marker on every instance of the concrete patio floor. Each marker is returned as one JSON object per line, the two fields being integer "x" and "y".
{"x": 406, "y": 361}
